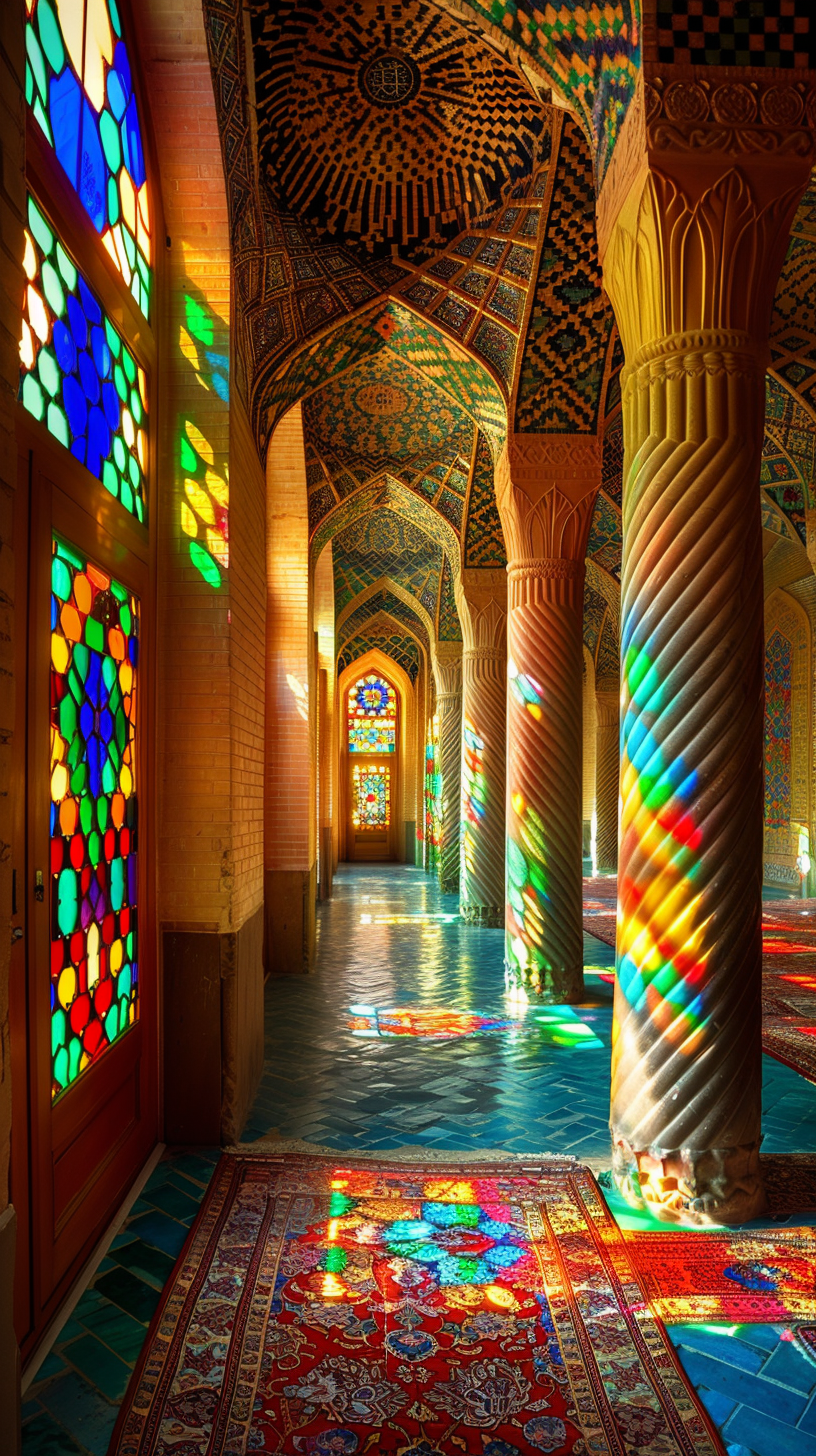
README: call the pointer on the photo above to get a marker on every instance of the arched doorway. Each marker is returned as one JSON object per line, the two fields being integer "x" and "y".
{"x": 372, "y": 726}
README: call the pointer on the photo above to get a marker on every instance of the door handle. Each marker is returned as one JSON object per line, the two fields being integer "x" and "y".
{"x": 39, "y": 886}
{"x": 16, "y": 933}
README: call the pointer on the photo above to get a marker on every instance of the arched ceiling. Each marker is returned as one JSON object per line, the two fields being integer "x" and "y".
{"x": 383, "y": 542}
{"x": 390, "y": 128}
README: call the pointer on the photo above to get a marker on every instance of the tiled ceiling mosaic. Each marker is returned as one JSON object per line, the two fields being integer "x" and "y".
{"x": 383, "y": 543}
{"x": 401, "y": 648}
{"x": 384, "y": 603}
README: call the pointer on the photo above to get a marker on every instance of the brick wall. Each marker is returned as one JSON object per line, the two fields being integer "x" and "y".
{"x": 289, "y": 821}
{"x": 323, "y": 596}
{"x": 247, "y": 647}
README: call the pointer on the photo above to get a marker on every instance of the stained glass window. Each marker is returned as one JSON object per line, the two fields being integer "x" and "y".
{"x": 372, "y": 796}
{"x": 94, "y": 881}
{"x": 79, "y": 87}
{"x": 372, "y": 716}
{"x": 76, "y": 373}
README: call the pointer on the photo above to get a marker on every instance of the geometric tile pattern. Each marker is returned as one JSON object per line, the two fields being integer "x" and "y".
{"x": 386, "y": 544}
{"x": 612, "y": 460}
{"x": 780, "y": 33}
{"x": 393, "y": 606}
{"x": 607, "y": 658}
{"x": 341, "y": 91}
{"x": 778, "y": 669}
{"x": 562, "y": 367}
{"x": 448, "y": 627}
{"x": 484, "y": 538}
{"x": 605, "y": 539}
{"x": 792, "y": 427}
{"x": 595, "y": 609}
{"x": 396, "y": 645}
{"x": 781, "y": 480}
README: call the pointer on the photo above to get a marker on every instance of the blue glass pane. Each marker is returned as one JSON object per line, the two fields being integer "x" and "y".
{"x": 132, "y": 144}
{"x": 77, "y": 320}
{"x": 64, "y": 346}
{"x": 99, "y": 440}
{"x": 89, "y": 378}
{"x": 93, "y": 171}
{"x": 66, "y": 100}
{"x": 93, "y": 312}
{"x": 110, "y": 404}
{"x": 75, "y": 405}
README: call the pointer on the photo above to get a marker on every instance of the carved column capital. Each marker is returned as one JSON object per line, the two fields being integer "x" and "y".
{"x": 545, "y": 492}
{"x": 447, "y": 670}
{"x": 481, "y": 596}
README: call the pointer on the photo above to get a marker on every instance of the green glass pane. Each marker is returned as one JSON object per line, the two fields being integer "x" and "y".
{"x": 114, "y": 18}
{"x": 74, "y": 559}
{"x": 49, "y": 372}
{"x": 117, "y": 883}
{"x": 136, "y": 405}
{"x": 130, "y": 946}
{"x": 124, "y": 982}
{"x": 123, "y": 1015}
{"x": 94, "y": 848}
{"x": 61, "y": 1067}
{"x": 139, "y": 508}
{"x": 134, "y": 472}
{"x": 136, "y": 290}
{"x": 110, "y": 479}
{"x": 79, "y": 777}
{"x": 109, "y": 777}
{"x": 82, "y": 659}
{"x": 112, "y": 1022}
{"x": 74, "y": 1054}
{"x": 60, "y": 579}
{"x": 204, "y": 563}
{"x": 130, "y": 245}
{"x": 29, "y": 84}
{"x": 86, "y": 813}
{"x": 114, "y": 342}
{"x": 119, "y": 452}
{"x": 121, "y": 730}
{"x": 37, "y": 62}
{"x": 127, "y": 496}
{"x": 39, "y": 228}
{"x": 125, "y": 619}
{"x": 53, "y": 289}
{"x": 113, "y": 202}
{"x": 67, "y": 717}
{"x": 94, "y": 634}
{"x": 58, "y": 1027}
{"x": 67, "y": 907}
{"x": 33, "y": 397}
{"x": 50, "y": 36}
{"x": 75, "y": 684}
{"x": 66, "y": 267}
{"x": 102, "y": 814}
{"x": 109, "y": 672}
{"x": 39, "y": 112}
{"x": 130, "y": 367}
{"x": 57, "y": 422}
{"x": 109, "y": 132}
{"x": 120, "y": 592}
{"x": 121, "y": 386}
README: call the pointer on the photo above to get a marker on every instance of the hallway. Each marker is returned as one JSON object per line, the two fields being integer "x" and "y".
{"x": 388, "y": 939}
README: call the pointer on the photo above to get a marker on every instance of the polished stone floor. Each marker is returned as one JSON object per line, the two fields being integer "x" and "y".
{"x": 388, "y": 940}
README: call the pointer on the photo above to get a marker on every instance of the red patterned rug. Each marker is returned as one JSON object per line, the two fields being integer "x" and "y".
{"x": 420, "y": 1309}
{"x": 735, "y": 1278}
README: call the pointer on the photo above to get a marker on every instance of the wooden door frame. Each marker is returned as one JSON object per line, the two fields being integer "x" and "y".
{"x": 66, "y": 502}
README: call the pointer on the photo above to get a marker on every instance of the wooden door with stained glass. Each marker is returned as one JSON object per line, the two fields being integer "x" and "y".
{"x": 372, "y": 740}
{"x": 83, "y": 999}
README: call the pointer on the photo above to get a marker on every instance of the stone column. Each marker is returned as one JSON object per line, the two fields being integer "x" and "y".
{"x": 481, "y": 597}
{"x": 607, "y": 764}
{"x": 692, "y": 235}
{"x": 448, "y": 673}
{"x": 545, "y": 489}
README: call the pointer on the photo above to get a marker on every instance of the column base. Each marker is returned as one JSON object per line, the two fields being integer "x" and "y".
{"x": 449, "y": 886}
{"x": 489, "y": 917}
{"x": 558, "y": 988}
{"x": 714, "y": 1186}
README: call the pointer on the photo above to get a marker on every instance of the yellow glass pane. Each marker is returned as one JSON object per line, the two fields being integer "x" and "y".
{"x": 71, "y": 19}
{"x": 98, "y": 50}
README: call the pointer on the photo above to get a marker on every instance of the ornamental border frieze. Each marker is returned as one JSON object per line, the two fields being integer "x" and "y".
{"x": 547, "y": 568}
{"x": 536, "y": 458}
{"x": 693, "y": 354}
{"x": 760, "y": 114}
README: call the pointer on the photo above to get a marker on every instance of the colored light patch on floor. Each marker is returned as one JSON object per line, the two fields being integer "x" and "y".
{"x": 559, "y": 1026}
{"x": 435, "y": 1023}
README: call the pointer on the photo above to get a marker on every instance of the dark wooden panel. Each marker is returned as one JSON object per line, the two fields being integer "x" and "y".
{"x": 192, "y": 1043}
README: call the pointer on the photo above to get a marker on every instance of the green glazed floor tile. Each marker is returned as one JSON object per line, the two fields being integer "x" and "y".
{"x": 145, "y": 1261}
{"x": 100, "y": 1366}
{"x": 131, "y": 1294}
{"x": 44, "y": 1437}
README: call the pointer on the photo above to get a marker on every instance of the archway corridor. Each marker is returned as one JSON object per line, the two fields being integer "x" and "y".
{"x": 407, "y": 728}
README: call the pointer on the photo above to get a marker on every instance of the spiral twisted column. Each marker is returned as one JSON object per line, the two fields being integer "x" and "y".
{"x": 481, "y": 597}
{"x": 448, "y": 670}
{"x": 691, "y": 257}
{"x": 545, "y": 491}
{"x": 607, "y": 765}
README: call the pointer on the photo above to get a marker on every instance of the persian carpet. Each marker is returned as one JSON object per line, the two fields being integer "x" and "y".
{"x": 738, "y": 1278}
{"x": 423, "y": 1309}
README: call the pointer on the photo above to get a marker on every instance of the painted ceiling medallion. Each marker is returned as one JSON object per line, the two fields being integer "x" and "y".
{"x": 390, "y": 80}
{"x": 381, "y": 399}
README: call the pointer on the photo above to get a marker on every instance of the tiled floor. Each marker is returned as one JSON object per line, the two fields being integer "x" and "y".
{"x": 389, "y": 939}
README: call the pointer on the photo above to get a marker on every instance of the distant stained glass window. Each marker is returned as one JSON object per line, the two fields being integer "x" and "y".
{"x": 77, "y": 375}
{"x": 94, "y": 879}
{"x": 80, "y": 89}
{"x": 372, "y": 716}
{"x": 372, "y": 796}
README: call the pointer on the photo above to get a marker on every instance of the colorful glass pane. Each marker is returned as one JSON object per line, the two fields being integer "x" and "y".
{"x": 778, "y": 677}
{"x": 76, "y": 374}
{"x": 372, "y": 716}
{"x": 94, "y": 880}
{"x": 79, "y": 87}
{"x": 371, "y": 796}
